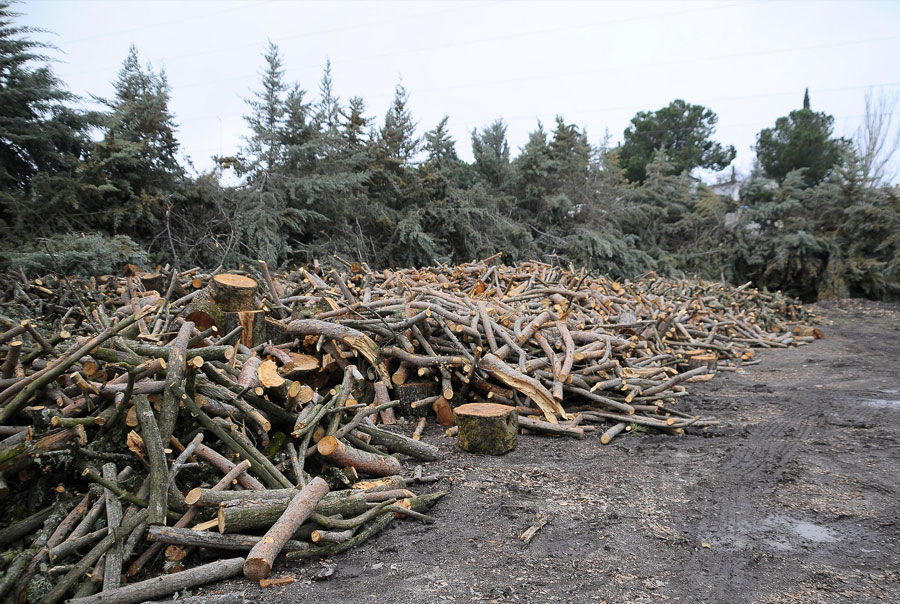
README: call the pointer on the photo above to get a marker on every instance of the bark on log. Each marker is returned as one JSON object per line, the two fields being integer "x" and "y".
{"x": 166, "y": 584}
{"x": 153, "y": 444}
{"x": 259, "y": 561}
{"x": 249, "y": 515}
{"x": 112, "y": 572}
{"x": 487, "y": 428}
{"x": 610, "y": 434}
{"x": 536, "y": 425}
{"x": 233, "y": 293}
{"x": 401, "y": 443}
{"x": 253, "y": 324}
{"x": 344, "y": 455}
{"x": 233, "y": 542}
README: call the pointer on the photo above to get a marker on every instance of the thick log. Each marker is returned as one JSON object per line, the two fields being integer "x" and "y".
{"x": 168, "y": 412}
{"x": 112, "y": 572}
{"x": 410, "y": 392}
{"x": 166, "y": 584}
{"x": 259, "y": 561}
{"x": 487, "y": 428}
{"x": 233, "y": 293}
{"x": 344, "y": 455}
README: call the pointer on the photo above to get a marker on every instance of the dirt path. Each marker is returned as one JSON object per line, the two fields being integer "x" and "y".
{"x": 795, "y": 499}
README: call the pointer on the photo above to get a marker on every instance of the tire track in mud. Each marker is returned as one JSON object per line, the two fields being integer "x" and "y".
{"x": 729, "y": 504}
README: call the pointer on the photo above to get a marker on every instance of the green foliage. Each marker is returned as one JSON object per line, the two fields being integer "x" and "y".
{"x": 683, "y": 130}
{"x": 41, "y": 139}
{"x": 801, "y": 140}
{"x": 83, "y": 254}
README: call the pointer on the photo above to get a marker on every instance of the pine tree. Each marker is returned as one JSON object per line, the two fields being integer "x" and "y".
{"x": 266, "y": 115}
{"x": 133, "y": 170}
{"x": 397, "y": 139}
{"x": 491, "y": 151}
{"x": 41, "y": 138}
{"x": 683, "y": 130}
{"x": 802, "y": 140}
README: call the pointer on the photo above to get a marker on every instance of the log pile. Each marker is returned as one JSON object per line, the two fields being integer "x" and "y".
{"x": 149, "y": 419}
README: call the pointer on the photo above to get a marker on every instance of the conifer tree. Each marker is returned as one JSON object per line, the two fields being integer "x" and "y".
{"x": 133, "y": 170}
{"x": 491, "y": 151}
{"x": 397, "y": 139}
{"x": 801, "y": 140}
{"x": 41, "y": 138}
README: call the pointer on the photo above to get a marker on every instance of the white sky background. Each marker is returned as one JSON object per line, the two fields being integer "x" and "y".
{"x": 594, "y": 63}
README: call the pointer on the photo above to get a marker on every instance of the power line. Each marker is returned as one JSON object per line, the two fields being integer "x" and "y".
{"x": 320, "y": 32}
{"x": 164, "y": 23}
{"x": 525, "y": 34}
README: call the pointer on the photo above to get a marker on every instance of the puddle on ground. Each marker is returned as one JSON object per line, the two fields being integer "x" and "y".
{"x": 882, "y": 403}
{"x": 814, "y": 532}
{"x": 780, "y": 533}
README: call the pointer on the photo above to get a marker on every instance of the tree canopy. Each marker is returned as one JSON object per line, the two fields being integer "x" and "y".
{"x": 801, "y": 140}
{"x": 683, "y": 130}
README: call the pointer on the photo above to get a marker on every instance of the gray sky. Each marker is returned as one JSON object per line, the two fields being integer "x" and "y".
{"x": 594, "y": 63}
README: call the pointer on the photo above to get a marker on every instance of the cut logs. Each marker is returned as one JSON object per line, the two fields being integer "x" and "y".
{"x": 297, "y": 389}
{"x": 487, "y": 428}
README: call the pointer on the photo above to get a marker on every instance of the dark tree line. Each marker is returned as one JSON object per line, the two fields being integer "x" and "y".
{"x": 320, "y": 176}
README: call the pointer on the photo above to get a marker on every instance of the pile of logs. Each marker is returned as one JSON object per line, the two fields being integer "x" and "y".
{"x": 147, "y": 417}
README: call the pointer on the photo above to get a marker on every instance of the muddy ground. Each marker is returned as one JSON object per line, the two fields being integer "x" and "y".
{"x": 793, "y": 499}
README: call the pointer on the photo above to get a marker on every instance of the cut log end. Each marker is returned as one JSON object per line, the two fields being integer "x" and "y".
{"x": 256, "y": 569}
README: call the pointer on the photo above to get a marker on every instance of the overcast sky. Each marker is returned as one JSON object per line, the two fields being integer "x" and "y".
{"x": 594, "y": 63}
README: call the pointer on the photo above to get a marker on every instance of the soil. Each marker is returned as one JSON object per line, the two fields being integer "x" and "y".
{"x": 794, "y": 498}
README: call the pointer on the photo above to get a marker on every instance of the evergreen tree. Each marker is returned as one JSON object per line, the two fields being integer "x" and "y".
{"x": 491, "y": 152}
{"x": 397, "y": 139}
{"x": 266, "y": 115}
{"x": 683, "y": 130}
{"x": 802, "y": 140}
{"x": 133, "y": 171}
{"x": 41, "y": 139}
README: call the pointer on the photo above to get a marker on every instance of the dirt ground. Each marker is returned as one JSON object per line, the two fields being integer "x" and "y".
{"x": 795, "y": 498}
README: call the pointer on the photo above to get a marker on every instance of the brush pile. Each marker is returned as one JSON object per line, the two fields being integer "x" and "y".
{"x": 150, "y": 419}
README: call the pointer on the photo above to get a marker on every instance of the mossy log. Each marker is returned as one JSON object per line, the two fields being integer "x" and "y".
{"x": 487, "y": 428}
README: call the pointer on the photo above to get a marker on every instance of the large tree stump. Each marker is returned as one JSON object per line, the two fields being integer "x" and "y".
{"x": 487, "y": 428}
{"x": 233, "y": 293}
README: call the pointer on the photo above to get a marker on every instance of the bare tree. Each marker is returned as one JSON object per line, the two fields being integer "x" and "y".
{"x": 874, "y": 141}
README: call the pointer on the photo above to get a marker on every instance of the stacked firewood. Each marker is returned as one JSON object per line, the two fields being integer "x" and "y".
{"x": 268, "y": 414}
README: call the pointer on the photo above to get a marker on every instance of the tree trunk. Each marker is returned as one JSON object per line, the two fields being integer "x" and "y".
{"x": 487, "y": 428}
